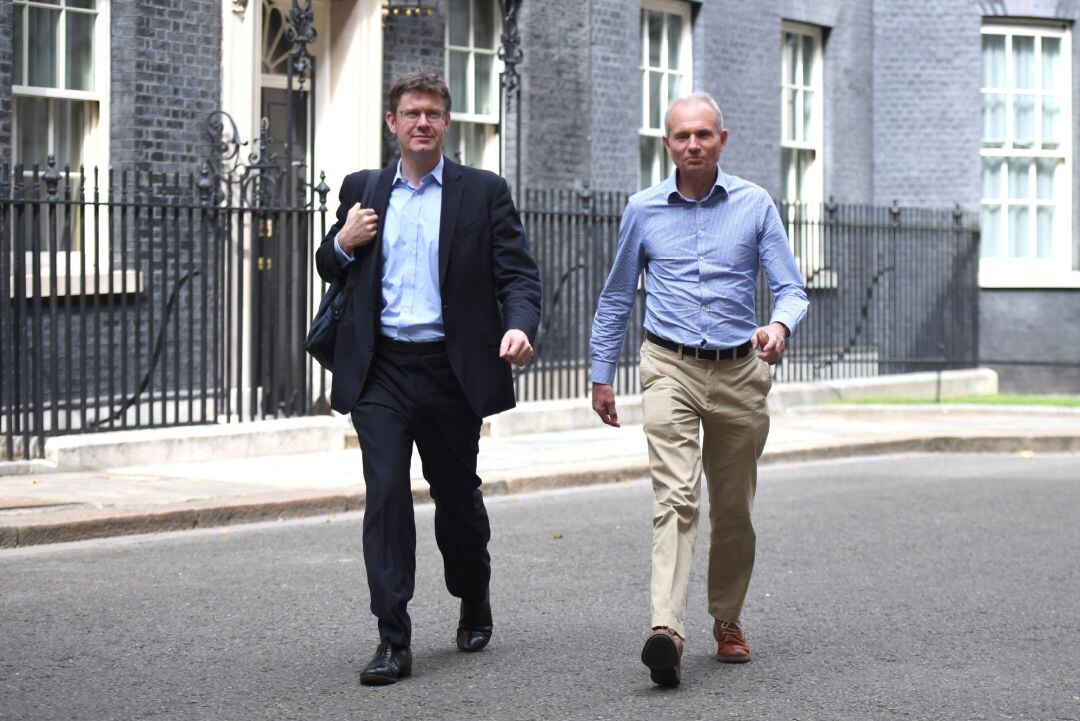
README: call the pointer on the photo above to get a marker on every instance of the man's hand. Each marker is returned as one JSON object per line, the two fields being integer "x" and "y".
{"x": 515, "y": 347}
{"x": 603, "y": 402}
{"x": 361, "y": 226}
{"x": 770, "y": 341}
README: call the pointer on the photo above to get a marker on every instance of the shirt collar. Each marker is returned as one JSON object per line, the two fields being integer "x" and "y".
{"x": 436, "y": 173}
{"x": 673, "y": 195}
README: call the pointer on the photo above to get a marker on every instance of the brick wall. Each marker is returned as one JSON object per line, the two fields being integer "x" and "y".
{"x": 166, "y": 66}
{"x": 6, "y": 42}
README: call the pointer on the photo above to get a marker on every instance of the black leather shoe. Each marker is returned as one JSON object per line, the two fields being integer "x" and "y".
{"x": 389, "y": 663}
{"x": 474, "y": 626}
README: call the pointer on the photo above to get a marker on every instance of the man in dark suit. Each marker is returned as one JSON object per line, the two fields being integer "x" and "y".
{"x": 446, "y": 295}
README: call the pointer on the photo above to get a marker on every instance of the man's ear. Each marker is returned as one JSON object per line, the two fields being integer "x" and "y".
{"x": 391, "y": 121}
{"x": 723, "y": 138}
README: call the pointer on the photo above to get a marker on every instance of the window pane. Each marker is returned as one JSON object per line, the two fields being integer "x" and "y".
{"x": 32, "y": 145}
{"x": 991, "y": 178}
{"x": 88, "y": 4}
{"x": 80, "y": 51}
{"x": 674, "y": 87}
{"x": 656, "y": 109}
{"x": 675, "y": 30}
{"x": 644, "y": 161}
{"x": 1019, "y": 178}
{"x": 42, "y": 31}
{"x": 808, "y": 115}
{"x": 69, "y": 120}
{"x": 1023, "y": 62}
{"x": 1023, "y": 120}
{"x": 1044, "y": 178}
{"x": 16, "y": 74}
{"x": 993, "y": 116}
{"x": 1051, "y": 122}
{"x": 1019, "y": 232}
{"x": 791, "y": 53}
{"x": 472, "y": 144}
{"x": 459, "y": 22}
{"x": 808, "y": 60}
{"x": 993, "y": 242}
{"x": 656, "y": 33}
{"x": 790, "y": 118}
{"x": 1044, "y": 222}
{"x": 1051, "y": 63}
{"x": 452, "y": 143}
{"x": 993, "y": 61}
{"x": 484, "y": 27}
{"x": 485, "y": 92}
{"x": 459, "y": 68}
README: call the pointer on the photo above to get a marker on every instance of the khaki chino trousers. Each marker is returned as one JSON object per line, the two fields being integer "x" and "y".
{"x": 710, "y": 415}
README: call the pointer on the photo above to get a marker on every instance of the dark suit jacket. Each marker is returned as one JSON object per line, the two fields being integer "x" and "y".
{"x": 487, "y": 276}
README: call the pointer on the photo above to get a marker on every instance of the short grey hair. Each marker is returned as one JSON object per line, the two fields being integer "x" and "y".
{"x": 699, "y": 97}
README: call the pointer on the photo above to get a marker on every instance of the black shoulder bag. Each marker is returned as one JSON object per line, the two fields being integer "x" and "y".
{"x": 322, "y": 336}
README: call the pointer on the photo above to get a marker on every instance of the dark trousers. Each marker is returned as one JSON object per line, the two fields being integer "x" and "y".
{"x": 411, "y": 394}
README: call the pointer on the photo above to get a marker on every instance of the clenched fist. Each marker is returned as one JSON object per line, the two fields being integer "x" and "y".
{"x": 516, "y": 348}
{"x": 361, "y": 227}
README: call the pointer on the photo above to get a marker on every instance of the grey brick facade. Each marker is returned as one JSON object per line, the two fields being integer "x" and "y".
{"x": 166, "y": 80}
{"x": 6, "y": 20}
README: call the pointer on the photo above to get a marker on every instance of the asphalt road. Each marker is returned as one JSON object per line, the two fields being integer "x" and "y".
{"x": 922, "y": 587}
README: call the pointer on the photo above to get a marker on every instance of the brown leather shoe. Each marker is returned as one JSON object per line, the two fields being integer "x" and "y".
{"x": 663, "y": 655}
{"x": 731, "y": 646}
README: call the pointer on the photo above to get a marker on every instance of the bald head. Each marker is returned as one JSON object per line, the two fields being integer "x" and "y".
{"x": 702, "y": 98}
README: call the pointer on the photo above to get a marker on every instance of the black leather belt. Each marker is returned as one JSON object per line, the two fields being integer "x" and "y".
{"x": 412, "y": 347}
{"x": 739, "y": 351}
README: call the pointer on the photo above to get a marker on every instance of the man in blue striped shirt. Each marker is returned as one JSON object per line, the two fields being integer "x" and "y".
{"x": 700, "y": 237}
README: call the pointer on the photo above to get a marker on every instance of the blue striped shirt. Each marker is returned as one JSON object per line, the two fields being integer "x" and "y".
{"x": 701, "y": 261}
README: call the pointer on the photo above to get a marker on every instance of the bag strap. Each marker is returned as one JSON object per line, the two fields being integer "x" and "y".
{"x": 371, "y": 180}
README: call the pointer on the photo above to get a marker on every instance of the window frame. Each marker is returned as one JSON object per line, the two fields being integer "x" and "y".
{"x": 815, "y": 193}
{"x": 1031, "y": 272}
{"x": 94, "y": 246}
{"x": 685, "y": 71}
{"x": 488, "y": 124}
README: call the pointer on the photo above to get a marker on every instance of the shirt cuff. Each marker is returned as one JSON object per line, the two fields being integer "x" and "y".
{"x": 603, "y": 372}
{"x": 787, "y": 319}
{"x": 342, "y": 257}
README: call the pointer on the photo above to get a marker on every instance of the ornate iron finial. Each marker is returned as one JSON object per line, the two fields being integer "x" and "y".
{"x": 831, "y": 207}
{"x": 894, "y": 211}
{"x": 301, "y": 33}
{"x": 225, "y": 139}
{"x": 585, "y": 194}
{"x": 205, "y": 184}
{"x": 958, "y": 215}
{"x": 322, "y": 189}
{"x": 510, "y": 51}
{"x": 51, "y": 178}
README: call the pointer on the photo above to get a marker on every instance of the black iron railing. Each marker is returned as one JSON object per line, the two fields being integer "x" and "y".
{"x": 136, "y": 300}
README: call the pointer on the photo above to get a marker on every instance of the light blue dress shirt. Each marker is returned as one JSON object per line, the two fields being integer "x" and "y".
{"x": 412, "y": 302}
{"x": 701, "y": 261}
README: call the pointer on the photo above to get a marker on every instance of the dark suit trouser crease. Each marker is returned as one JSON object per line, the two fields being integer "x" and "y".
{"x": 412, "y": 394}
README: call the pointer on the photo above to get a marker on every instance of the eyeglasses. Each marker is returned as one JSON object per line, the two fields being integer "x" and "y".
{"x": 413, "y": 116}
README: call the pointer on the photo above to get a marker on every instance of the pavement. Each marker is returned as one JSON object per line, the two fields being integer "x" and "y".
{"x": 53, "y": 507}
